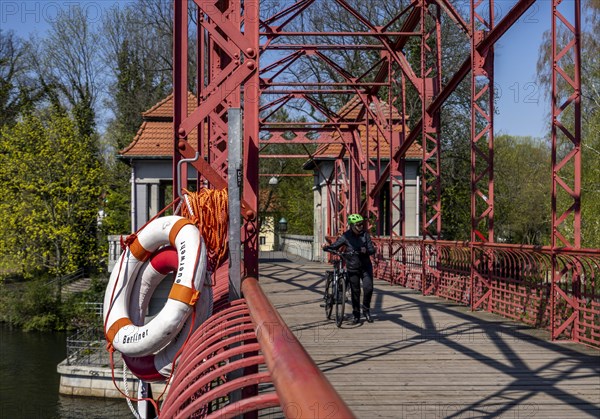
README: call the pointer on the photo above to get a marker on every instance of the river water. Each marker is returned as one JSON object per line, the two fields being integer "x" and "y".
{"x": 29, "y": 381}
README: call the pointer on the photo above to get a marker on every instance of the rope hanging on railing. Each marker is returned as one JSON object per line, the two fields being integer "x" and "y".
{"x": 208, "y": 210}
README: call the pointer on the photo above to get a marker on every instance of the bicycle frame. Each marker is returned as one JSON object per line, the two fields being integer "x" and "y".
{"x": 335, "y": 288}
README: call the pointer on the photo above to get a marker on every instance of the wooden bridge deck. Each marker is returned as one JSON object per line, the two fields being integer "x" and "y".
{"x": 424, "y": 357}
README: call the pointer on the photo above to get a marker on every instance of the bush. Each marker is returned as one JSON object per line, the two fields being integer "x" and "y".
{"x": 35, "y": 306}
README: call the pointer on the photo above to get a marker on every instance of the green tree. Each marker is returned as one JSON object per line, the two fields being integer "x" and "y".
{"x": 49, "y": 205}
{"x": 138, "y": 43}
{"x": 522, "y": 190}
{"x": 590, "y": 196}
{"x": 291, "y": 197}
{"x": 68, "y": 64}
{"x": 134, "y": 91}
{"x": 17, "y": 89}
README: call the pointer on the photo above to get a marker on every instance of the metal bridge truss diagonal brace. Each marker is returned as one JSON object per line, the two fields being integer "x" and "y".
{"x": 397, "y": 178}
{"x": 431, "y": 75}
{"x": 482, "y": 146}
{"x": 341, "y": 195}
{"x": 568, "y": 271}
{"x": 431, "y": 68}
{"x": 490, "y": 39}
{"x": 229, "y": 86}
{"x": 482, "y": 128}
{"x": 566, "y": 128}
{"x": 566, "y": 164}
{"x": 482, "y": 267}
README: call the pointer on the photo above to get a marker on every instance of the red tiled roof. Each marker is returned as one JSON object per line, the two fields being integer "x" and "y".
{"x": 155, "y": 136}
{"x": 164, "y": 108}
{"x": 333, "y": 150}
{"x": 155, "y": 139}
{"x": 354, "y": 106}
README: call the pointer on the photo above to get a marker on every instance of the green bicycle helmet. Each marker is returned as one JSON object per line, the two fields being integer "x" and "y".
{"x": 354, "y": 218}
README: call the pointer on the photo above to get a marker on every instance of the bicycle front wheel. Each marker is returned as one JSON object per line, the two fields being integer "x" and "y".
{"x": 329, "y": 295}
{"x": 340, "y": 299}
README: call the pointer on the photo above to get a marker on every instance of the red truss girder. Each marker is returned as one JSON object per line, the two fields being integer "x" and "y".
{"x": 482, "y": 132}
{"x": 490, "y": 39}
{"x": 482, "y": 144}
{"x": 566, "y": 169}
{"x": 431, "y": 74}
{"x": 363, "y": 169}
{"x": 232, "y": 77}
{"x": 229, "y": 80}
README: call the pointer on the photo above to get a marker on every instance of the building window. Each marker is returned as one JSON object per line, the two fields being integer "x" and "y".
{"x": 262, "y": 240}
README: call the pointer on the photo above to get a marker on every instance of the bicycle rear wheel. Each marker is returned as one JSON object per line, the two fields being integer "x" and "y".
{"x": 340, "y": 299}
{"x": 328, "y": 297}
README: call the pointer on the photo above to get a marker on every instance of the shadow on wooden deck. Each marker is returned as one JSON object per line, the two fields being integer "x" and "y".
{"x": 427, "y": 357}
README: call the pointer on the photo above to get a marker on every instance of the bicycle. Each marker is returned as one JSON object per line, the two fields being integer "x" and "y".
{"x": 335, "y": 287}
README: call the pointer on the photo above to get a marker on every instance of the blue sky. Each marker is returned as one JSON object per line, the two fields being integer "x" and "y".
{"x": 35, "y": 16}
{"x": 522, "y": 107}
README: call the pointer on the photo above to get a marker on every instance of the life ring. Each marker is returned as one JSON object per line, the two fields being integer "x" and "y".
{"x": 158, "y": 367}
{"x": 137, "y": 340}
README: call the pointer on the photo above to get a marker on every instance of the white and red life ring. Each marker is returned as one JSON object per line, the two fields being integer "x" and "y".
{"x": 158, "y": 367}
{"x": 133, "y": 281}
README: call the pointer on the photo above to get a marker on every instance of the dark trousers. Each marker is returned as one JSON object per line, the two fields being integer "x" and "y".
{"x": 367, "y": 284}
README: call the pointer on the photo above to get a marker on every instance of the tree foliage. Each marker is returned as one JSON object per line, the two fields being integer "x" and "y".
{"x": 138, "y": 48}
{"x": 291, "y": 196}
{"x": 522, "y": 190}
{"x": 137, "y": 43}
{"x": 18, "y": 91}
{"x": 68, "y": 64}
{"x": 51, "y": 186}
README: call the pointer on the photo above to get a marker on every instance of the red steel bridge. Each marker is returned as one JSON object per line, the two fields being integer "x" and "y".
{"x": 242, "y": 61}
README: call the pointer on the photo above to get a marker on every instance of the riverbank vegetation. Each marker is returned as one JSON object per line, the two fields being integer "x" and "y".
{"x": 37, "y": 305}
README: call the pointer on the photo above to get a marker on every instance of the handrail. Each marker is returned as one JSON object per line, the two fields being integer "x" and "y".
{"x": 554, "y": 289}
{"x": 298, "y": 381}
{"x": 67, "y": 279}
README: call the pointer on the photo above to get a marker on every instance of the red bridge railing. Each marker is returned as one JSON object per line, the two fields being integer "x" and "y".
{"x": 555, "y": 290}
{"x": 244, "y": 360}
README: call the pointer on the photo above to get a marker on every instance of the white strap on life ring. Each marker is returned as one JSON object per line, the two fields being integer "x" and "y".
{"x": 121, "y": 331}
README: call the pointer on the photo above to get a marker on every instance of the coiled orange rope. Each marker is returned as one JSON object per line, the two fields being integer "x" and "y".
{"x": 208, "y": 209}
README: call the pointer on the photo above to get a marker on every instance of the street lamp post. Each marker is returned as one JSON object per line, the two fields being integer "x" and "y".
{"x": 282, "y": 229}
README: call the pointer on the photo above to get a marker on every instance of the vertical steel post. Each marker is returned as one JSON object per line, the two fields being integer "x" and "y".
{"x": 180, "y": 81}
{"x": 566, "y": 150}
{"x": 482, "y": 150}
{"x": 431, "y": 212}
{"x": 234, "y": 182}
{"x": 566, "y": 136}
{"x": 397, "y": 183}
{"x": 482, "y": 132}
{"x": 251, "y": 100}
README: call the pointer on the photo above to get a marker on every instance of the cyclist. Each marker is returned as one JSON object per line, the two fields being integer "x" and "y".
{"x": 358, "y": 264}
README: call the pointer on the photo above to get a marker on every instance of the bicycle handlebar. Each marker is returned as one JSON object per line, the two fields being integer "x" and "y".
{"x": 342, "y": 254}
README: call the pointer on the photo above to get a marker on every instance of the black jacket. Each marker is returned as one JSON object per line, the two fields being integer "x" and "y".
{"x": 352, "y": 241}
